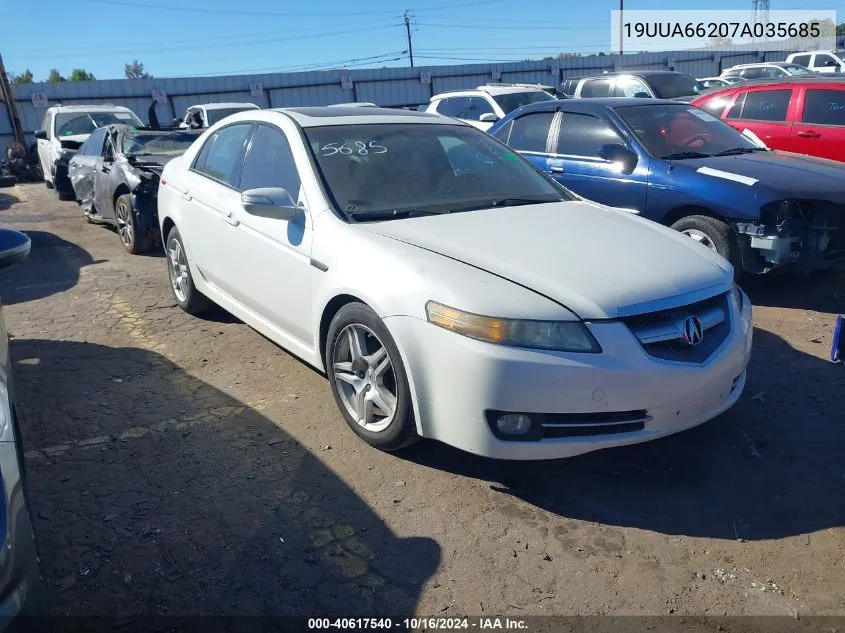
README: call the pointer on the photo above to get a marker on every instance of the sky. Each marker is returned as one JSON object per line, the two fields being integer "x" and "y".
{"x": 178, "y": 38}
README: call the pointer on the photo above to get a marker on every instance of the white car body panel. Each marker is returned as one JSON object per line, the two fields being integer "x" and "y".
{"x": 532, "y": 262}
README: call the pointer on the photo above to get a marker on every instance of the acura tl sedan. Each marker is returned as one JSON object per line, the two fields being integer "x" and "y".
{"x": 448, "y": 288}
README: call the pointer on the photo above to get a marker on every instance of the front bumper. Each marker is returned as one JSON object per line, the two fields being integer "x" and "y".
{"x": 61, "y": 179}
{"x": 456, "y": 380}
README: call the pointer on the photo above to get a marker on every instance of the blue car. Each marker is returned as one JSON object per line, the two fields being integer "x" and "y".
{"x": 676, "y": 164}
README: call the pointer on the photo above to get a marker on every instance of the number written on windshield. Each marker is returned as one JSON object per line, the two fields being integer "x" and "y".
{"x": 353, "y": 147}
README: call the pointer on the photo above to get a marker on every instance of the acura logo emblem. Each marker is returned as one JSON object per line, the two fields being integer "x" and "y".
{"x": 693, "y": 332}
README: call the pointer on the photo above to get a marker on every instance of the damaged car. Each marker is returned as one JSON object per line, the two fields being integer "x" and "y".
{"x": 680, "y": 166}
{"x": 207, "y": 114}
{"x": 115, "y": 178}
{"x": 63, "y": 130}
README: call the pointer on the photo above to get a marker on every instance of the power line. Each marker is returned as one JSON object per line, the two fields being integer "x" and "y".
{"x": 498, "y": 27}
{"x": 286, "y": 38}
{"x": 344, "y": 63}
{"x": 195, "y": 10}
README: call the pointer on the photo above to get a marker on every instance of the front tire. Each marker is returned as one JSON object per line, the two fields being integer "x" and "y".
{"x": 186, "y": 294}
{"x": 368, "y": 380}
{"x": 715, "y": 234}
{"x": 132, "y": 240}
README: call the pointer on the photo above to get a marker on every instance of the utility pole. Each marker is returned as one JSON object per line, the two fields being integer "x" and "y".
{"x": 408, "y": 31}
{"x": 11, "y": 109}
{"x": 621, "y": 22}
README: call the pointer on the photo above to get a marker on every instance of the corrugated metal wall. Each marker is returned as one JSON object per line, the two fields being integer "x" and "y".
{"x": 384, "y": 86}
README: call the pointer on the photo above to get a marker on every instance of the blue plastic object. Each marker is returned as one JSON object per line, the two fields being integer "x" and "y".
{"x": 837, "y": 350}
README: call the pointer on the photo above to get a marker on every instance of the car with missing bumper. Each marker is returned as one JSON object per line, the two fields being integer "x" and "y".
{"x": 680, "y": 166}
{"x": 63, "y": 131}
{"x": 448, "y": 288}
{"x": 115, "y": 178}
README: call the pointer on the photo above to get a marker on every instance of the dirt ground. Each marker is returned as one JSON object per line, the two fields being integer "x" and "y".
{"x": 186, "y": 466}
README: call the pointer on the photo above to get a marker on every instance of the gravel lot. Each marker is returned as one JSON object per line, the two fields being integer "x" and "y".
{"x": 186, "y": 466}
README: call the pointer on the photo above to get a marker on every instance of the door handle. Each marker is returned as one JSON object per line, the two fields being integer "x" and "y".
{"x": 187, "y": 197}
{"x": 809, "y": 134}
{"x": 231, "y": 220}
{"x": 556, "y": 169}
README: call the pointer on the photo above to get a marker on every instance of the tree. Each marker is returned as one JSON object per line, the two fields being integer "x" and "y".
{"x": 840, "y": 28}
{"x": 719, "y": 42}
{"x": 79, "y": 74}
{"x": 55, "y": 76}
{"x": 24, "y": 78}
{"x": 135, "y": 70}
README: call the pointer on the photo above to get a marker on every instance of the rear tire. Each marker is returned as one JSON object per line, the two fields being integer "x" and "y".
{"x": 715, "y": 234}
{"x": 48, "y": 184}
{"x": 127, "y": 229}
{"x": 185, "y": 292}
{"x": 368, "y": 380}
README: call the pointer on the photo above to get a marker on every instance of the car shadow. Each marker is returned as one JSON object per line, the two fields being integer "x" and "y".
{"x": 823, "y": 291}
{"x": 7, "y": 201}
{"x": 771, "y": 467}
{"x": 155, "y": 493}
{"x": 53, "y": 266}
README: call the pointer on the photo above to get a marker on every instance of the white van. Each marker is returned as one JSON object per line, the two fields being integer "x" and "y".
{"x": 827, "y": 62}
{"x": 64, "y": 130}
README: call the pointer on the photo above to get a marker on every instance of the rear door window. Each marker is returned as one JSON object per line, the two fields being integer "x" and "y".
{"x": 630, "y": 87}
{"x": 530, "y": 133}
{"x": 475, "y": 107}
{"x": 584, "y": 134}
{"x": 824, "y": 107}
{"x": 803, "y": 60}
{"x": 596, "y": 88}
{"x": 762, "y": 105}
{"x": 220, "y": 157}
{"x": 452, "y": 106}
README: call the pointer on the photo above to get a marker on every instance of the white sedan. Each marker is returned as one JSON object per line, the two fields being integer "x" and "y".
{"x": 449, "y": 289}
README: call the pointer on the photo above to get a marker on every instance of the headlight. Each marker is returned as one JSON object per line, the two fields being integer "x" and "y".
{"x": 562, "y": 336}
{"x": 737, "y": 296}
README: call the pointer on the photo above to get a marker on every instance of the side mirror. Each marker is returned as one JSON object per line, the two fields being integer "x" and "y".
{"x": 642, "y": 95}
{"x": 488, "y": 117}
{"x": 830, "y": 62}
{"x": 41, "y": 135}
{"x": 269, "y": 202}
{"x": 14, "y": 246}
{"x": 618, "y": 153}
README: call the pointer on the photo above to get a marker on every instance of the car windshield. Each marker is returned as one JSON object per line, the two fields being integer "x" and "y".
{"x": 679, "y": 131}
{"x": 218, "y": 114}
{"x": 797, "y": 69}
{"x": 674, "y": 85}
{"x": 513, "y": 100}
{"x": 73, "y": 123}
{"x": 138, "y": 143}
{"x": 385, "y": 171}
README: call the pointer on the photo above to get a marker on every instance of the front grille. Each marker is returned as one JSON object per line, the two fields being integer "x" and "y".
{"x": 661, "y": 334}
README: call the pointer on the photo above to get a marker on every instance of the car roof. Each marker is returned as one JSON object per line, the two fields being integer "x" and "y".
{"x": 591, "y": 105}
{"x": 762, "y": 64}
{"x": 490, "y": 90}
{"x": 91, "y": 108}
{"x": 351, "y": 115}
{"x": 801, "y": 80}
{"x": 221, "y": 106}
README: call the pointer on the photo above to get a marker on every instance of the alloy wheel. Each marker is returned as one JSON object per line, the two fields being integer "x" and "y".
{"x": 177, "y": 265}
{"x": 700, "y": 237}
{"x": 124, "y": 224}
{"x": 365, "y": 378}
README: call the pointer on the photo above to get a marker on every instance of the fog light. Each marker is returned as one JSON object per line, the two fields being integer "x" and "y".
{"x": 514, "y": 424}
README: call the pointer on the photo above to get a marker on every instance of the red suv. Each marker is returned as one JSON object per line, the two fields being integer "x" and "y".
{"x": 800, "y": 115}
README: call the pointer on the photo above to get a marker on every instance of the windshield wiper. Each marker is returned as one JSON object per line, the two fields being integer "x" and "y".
{"x": 502, "y": 202}
{"x": 740, "y": 150}
{"x": 685, "y": 155}
{"x": 393, "y": 214}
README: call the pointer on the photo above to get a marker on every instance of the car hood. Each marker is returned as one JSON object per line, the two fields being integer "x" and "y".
{"x": 783, "y": 173}
{"x": 596, "y": 261}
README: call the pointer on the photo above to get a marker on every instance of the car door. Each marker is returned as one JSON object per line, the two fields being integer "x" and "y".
{"x": 819, "y": 128}
{"x": 825, "y": 63}
{"x": 575, "y": 162}
{"x": 529, "y": 135}
{"x": 44, "y": 145}
{"x": 102, "y": 169}
{"x": 766, "y": 112}
{"x": 628, "y": 86}
{"x": 210, "y": 199}
{"x": 82, "y": 168}
{"x": 273, "y": 253}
